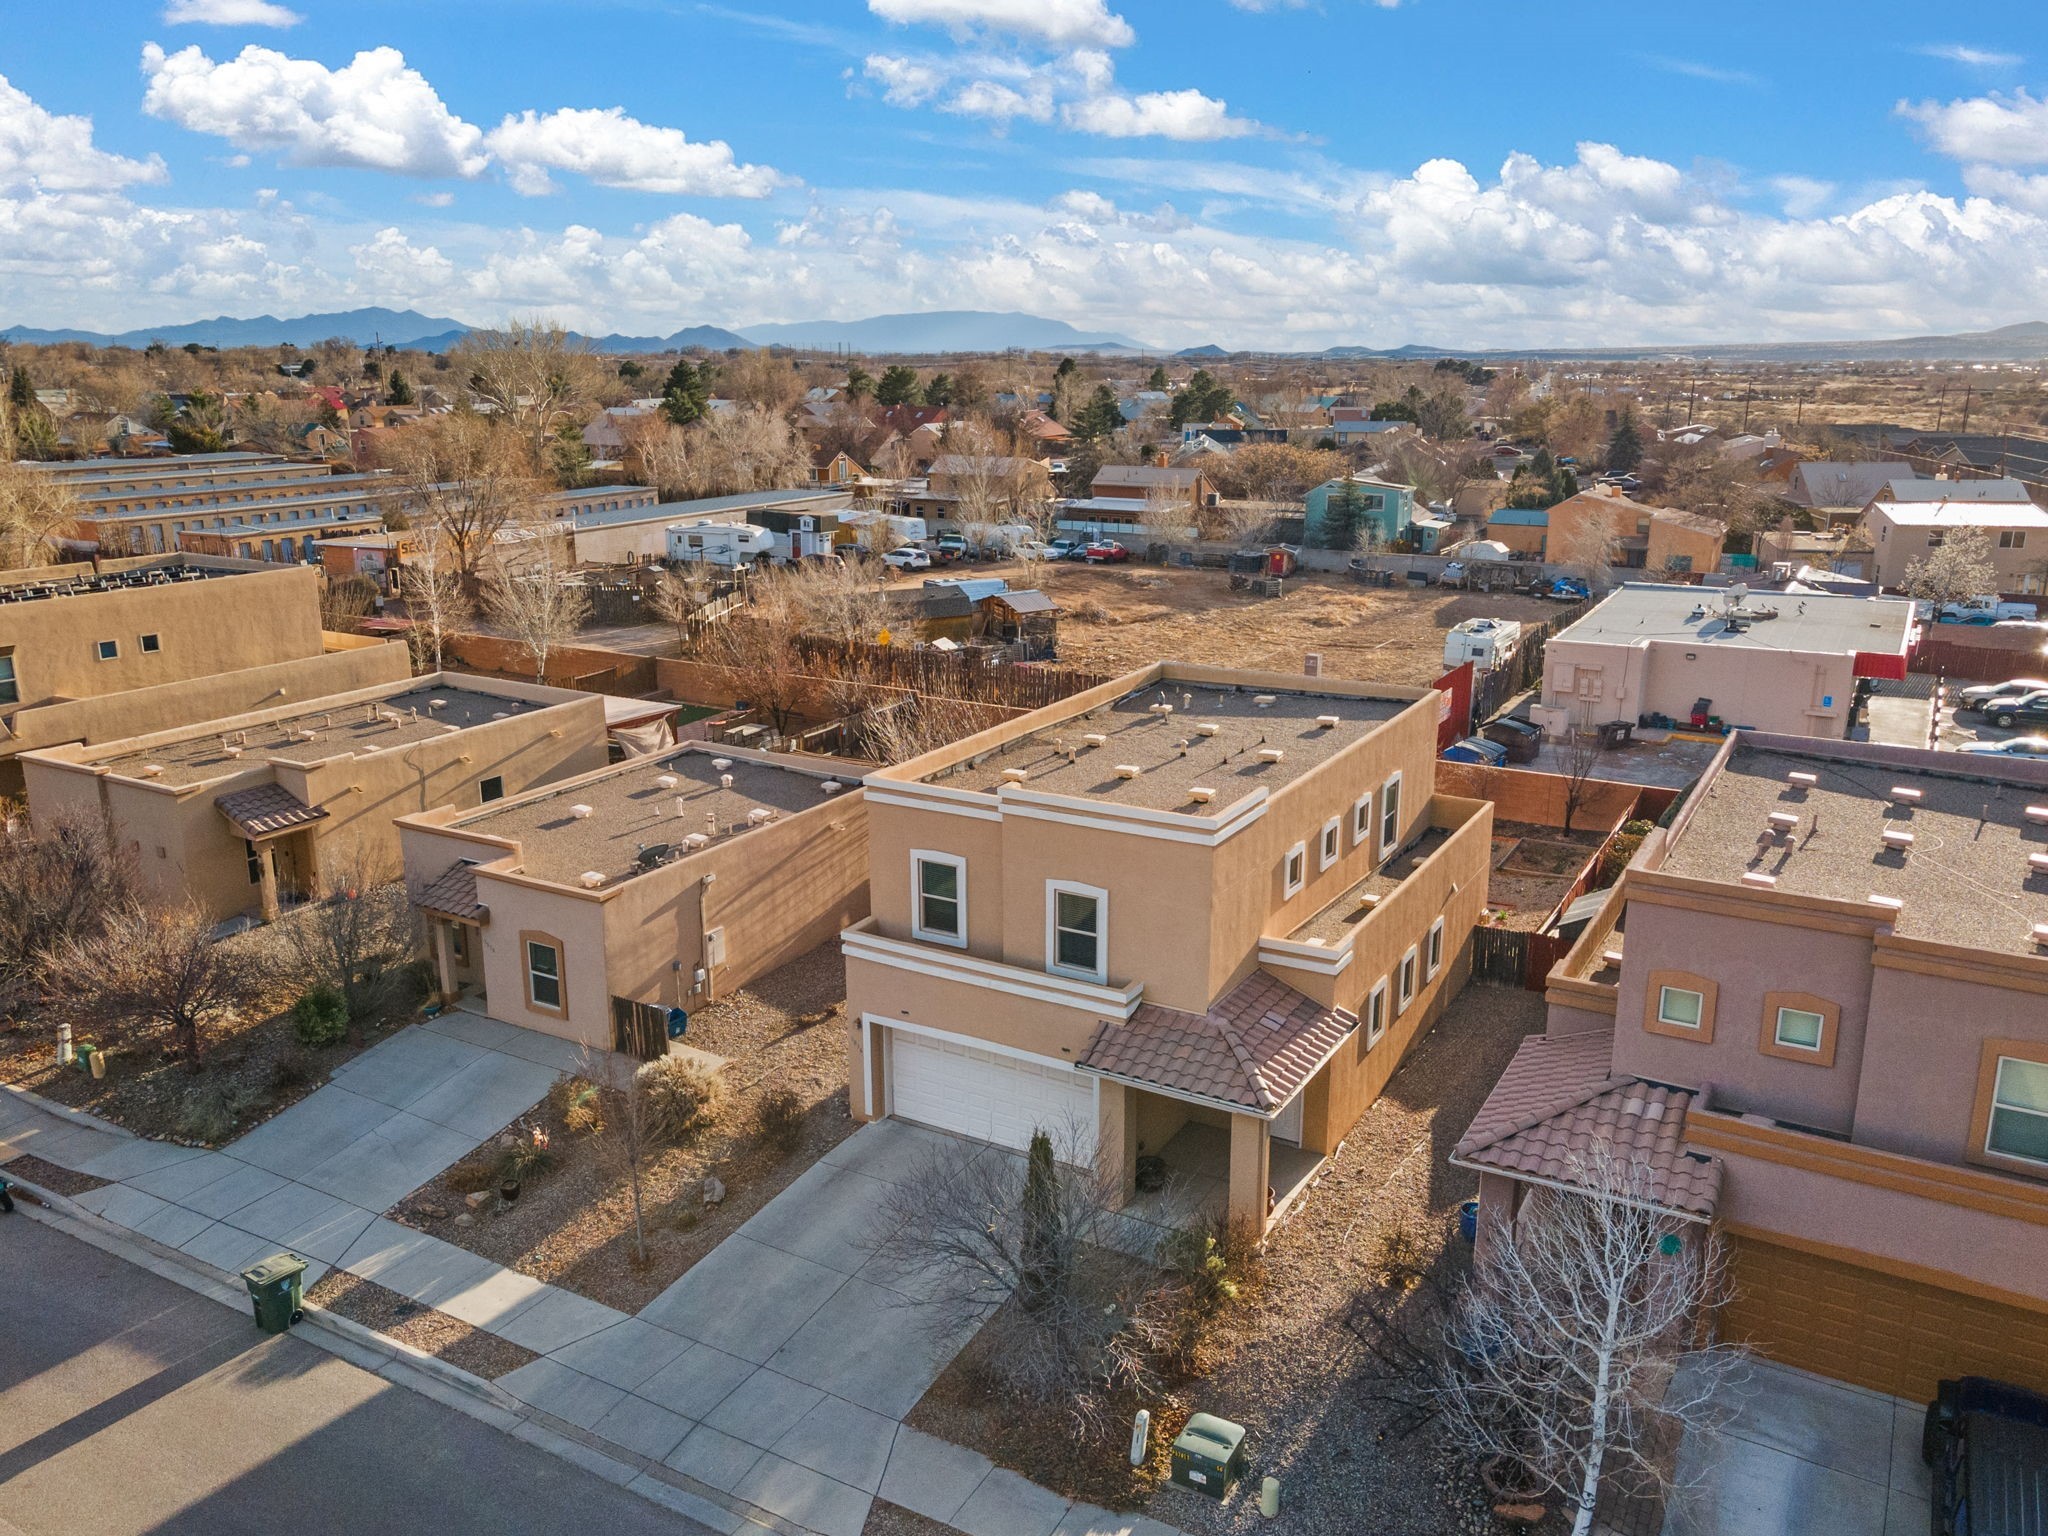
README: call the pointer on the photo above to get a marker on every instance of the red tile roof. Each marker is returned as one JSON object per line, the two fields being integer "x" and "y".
{"x": 1557, "y": 1102}
{"x": 453, "y": 894}
{"x": 1252, "y": 1052}
{"x": 266, "y": 810}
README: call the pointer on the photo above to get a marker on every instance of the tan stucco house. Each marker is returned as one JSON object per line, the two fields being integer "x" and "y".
{"x": 1815, "y": 1011}
{"x": 591, "y": 908}
{"x": 249, "y": 813}
{"x": 1192, "y": 915}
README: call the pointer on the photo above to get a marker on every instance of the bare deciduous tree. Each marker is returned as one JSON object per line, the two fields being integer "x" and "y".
{"x": 1591, "y": 547}
{"x": 1566, "y": 1350}
{"x": 62, "y": 878}
{"x": 34, "y": 509}
{"x": 1955, "y": 570}
{"x": 467, "y": 480}
{"x": 526, "y": 595}
{"x": 437, "y": 599}
{"x": 356, "y": 936}
{"x": 1579, "y": 755}
{"x": 744, "y": 450}
{"x": 531, "y": 373}
{"x": 156, "y": 968}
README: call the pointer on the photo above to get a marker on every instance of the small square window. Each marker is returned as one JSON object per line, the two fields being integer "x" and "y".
{"x": 151, "y": 644}
{"x": 492, "y": 788}
{"x": 1680, "y": 1006}
{"x": 109, "y": 650}
{"x": 1801, "y": 1028}
{"x": 1296, "y": 871}
{"x": 1404, "y": 981}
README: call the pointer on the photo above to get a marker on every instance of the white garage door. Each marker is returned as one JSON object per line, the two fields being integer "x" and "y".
{"x": 946, "y": 1082}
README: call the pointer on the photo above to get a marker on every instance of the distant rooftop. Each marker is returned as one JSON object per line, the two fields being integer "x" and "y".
{"x": 1172, "y": 753}
{"x": 706, "y": 507}
{"x": 1919, "y": 488}
{"x": 1640, "y": 612}
{"x": 1963, "y": 514}
{"x": 81, "y": 581}
{"x": 631, "y": 810}
{"x": 1964, "y": 879}
{"x": 268, "y": 490}
{"x": 315, "y": 733}
{"x": 195, "y": 462}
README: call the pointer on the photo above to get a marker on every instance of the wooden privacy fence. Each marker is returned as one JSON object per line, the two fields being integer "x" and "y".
{"x": 1503, "y": 957}
{"x": 639, "y": 1029}
{"x": 979, "y": 678}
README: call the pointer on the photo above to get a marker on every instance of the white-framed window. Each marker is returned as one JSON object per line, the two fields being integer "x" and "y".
{"x": 1800, "y": 1028}
{"x": 543, "y": 976}
{"x": 1077, "y": 930}
{"x": 1294, "y": 874}
{"x": 1404, "y": 980}
{"x": 1433, "y": 951}
{"x": 108, "y": 650}
{"x": 2018, "y": 1123}
{"x": 1680, "y": 1007}
{"x": 1390, "y": 815}
{"x": 1376, "y": 1013}
{"x": 1333, "y": 838}
{"x": 1361, "y": 820}
{"x": 938, "y": 897}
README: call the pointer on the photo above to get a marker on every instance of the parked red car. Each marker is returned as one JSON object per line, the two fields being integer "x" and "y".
{"x": 1105, "y": 552}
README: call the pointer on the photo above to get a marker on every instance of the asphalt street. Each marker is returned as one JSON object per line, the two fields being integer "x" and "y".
{"x": 129, "y": 1404}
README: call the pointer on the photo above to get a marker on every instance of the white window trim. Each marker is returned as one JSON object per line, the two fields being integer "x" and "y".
{"x": 1778, "y": 1029}
{"x": 917, "y": 928}
{"x": 1292, "y": 882}
{"x": 1405, "y": 974}
{"x": 1433, "y": 952}
{"x": 1376, "y": 1026}
{"x": 1053, "y": 890}
{"x": 1331, "y": 845}
{"x": 1361, "y": 820}
{"x": 1697, "y": 997}
{"x": 99, "y": 649}
{"x": 1390, "y": 802}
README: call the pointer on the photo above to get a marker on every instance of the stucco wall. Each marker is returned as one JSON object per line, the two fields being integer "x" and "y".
{"x": 1781, "y": 691}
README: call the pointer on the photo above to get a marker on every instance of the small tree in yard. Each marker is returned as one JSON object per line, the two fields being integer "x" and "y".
{"x": 1580, "y": 1332}
{"x": 1955, "y": 570}
{"x": 1578, "y": 760}
{"x": 532, "y": 602}
{"x": 62, "y": 879}
{"x": 356, "y": 938}
{"x": 157, "y": 969}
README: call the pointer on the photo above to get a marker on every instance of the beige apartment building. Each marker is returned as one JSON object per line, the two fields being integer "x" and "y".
{"x": 1815, "y": 1012}
{"x": 87, "y": 477}
{"x": 1187, "y": 923}
{"x": 1771, "y": 661}
{"x": 76, "y": 632}
{"x": 1901, "y": 532}
{"x": 249, "y": 813}
{"x": 592, "y": 908}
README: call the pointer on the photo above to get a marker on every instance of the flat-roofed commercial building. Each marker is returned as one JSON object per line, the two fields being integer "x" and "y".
{"x": 1194, "y": 916}
{"x": 251, "y": 812}
{"x": 591, "y": 908}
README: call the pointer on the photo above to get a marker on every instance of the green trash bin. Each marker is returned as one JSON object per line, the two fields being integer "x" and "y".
{"x": 275, "y": 1289}
{"x": 1209, "y": 1455}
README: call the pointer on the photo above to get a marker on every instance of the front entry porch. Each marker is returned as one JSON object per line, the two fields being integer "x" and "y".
{"x": 1193, "y": 1165}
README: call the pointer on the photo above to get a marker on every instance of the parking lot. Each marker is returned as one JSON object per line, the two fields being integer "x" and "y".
{"x": 1961, "y": 728}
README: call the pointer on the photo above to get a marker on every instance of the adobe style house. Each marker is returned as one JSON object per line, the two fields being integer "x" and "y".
{"x": 1193, "y": 915}
{"x": 74, "y": 633}
{"x": 249, "y": 813}
{"x": 592, "y": 907}
{"x": 1815, "y": 1010}
{"x": 1774, "y": 661}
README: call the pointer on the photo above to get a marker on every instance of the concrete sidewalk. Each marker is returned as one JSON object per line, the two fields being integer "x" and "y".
{"x": 776, "y": 1372}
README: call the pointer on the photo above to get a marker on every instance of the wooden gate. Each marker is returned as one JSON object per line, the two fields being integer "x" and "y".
{"x": 639, "y": 1029}
{"x": 1502, "y": 957}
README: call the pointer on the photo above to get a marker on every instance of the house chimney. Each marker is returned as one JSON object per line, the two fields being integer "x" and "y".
{"x": 1159, "y": 458}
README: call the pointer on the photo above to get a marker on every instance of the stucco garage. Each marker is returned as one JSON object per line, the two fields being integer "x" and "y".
{"x": 1886, "y": 1332}
{"x": 955, "y": 1085}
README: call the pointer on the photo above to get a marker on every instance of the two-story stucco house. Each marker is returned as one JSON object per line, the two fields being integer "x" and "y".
{"x": 1815, "y": 1012}
{"x": 1193, "y": 916}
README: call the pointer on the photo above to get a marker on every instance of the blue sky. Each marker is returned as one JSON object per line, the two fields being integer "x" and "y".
{"x": 1252, "y": 172}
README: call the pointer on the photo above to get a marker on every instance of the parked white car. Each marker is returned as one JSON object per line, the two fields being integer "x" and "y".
{"x": 907, "y": 558}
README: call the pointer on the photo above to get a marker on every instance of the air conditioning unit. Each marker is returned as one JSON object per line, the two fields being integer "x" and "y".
{"x": 667, "y": 781}
{"x": 1758, "y": 880}
{"x": 1272, "y": 755}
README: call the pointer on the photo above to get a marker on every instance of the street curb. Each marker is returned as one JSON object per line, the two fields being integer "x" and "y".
{"x": 80, "y": 1117}
{"x": 405, "y": 1366}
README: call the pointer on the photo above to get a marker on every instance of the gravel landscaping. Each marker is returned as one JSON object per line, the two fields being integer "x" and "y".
{"x": 886, "y": 1519}
{"x": 47, "y": 1175}
{"x": 572, "y": 1225}
{"x": 410, "y": 1322}
{"x": 1282, "y": 1361}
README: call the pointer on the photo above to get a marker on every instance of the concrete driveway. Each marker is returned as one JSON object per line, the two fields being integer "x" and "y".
{"x": 779, "y": 1368}
{"x": 1806, "y": 1454}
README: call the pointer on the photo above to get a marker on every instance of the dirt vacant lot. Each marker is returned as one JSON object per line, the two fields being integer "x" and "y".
{"x": 1115, "y": 618}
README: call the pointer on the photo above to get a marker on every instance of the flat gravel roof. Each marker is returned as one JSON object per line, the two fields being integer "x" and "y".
{"x": 1964, "y": 880}
{"x": 1170, "y": 751}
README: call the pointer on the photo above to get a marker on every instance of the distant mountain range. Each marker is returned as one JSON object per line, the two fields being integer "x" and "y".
{"x": 985, "y": 331}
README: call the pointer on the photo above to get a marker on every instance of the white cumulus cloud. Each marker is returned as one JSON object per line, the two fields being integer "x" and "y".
{"x": 230, "y": 13}
{"x": 43, "y": 151}
{"x": 615, "y": 150}
{"x": 1056, "y": 23}
{"x": 375, "y": 112}
{"x": 1994, "y": 129}
{"x": 1975, "y": 58}
{"x": 1186, "y": 115}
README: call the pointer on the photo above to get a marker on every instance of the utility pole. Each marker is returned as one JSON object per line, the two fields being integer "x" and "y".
{"x": 1966, "y": 408}
{"x": 1747, "y": 395}
{"x": 1940, "y": 405}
